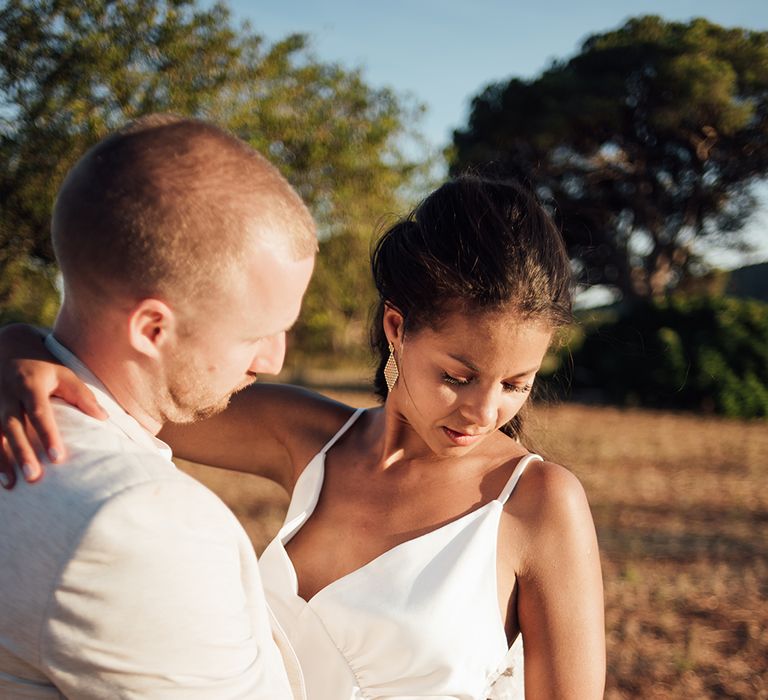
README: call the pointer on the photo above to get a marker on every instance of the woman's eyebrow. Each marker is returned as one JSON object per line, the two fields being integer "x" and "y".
{"x": 463, "y": 361}
{"x": 533, "y": 370}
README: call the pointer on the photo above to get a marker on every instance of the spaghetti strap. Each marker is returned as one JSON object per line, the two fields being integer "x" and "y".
{"x": 426, "y": 578}
{"x": 342, "y": 430}
{"x": 506, "y": 492}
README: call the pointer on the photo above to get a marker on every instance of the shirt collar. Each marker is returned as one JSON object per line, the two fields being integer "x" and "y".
{"x": 117, "y": 414}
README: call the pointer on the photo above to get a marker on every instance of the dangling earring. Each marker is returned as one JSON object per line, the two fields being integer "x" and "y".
{"x": 391, "y": 372}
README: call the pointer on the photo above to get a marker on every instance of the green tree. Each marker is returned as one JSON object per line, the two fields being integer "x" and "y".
{"x": 72, "y": 72}
{"x": 696, "y": 353}
{"x": 649, "y": 140}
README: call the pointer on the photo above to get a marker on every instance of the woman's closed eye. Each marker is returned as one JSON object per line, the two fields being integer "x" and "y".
{"x": 508, "y": 386}
{"x": 450, "y": 379}
{"x": 518, "y": 388}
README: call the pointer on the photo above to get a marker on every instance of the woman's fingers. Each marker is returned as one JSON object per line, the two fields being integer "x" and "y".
{"x": 39, "y": 413}
{"x": 7, "y": 469}
{"x": 26, "y": 388}
{"x": 21, "y": 449}
{"x": 25, "y": 402}
{"x": 75, "y": 392}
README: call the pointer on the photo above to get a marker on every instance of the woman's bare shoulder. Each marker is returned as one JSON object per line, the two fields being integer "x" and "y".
{"x": 548, "y": 500}
{"x": 550, "y": 482}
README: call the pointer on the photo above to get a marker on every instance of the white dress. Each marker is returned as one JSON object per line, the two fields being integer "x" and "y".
{"x": 421, "y": 620}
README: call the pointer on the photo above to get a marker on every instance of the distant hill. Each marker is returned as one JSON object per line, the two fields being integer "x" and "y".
{"x": 749, "y": 282}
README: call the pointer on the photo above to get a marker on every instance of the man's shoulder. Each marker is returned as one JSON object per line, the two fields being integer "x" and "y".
{"x": 118, "y": 434}
{"x": 105, "y": 469}
{"x": 104, "y": 475}
{"x": 101, "y": 455}
{"x": 104, "y": 472}
{"x": 110, "y": 500}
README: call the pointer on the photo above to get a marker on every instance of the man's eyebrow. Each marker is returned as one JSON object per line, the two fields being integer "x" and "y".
{"x": 472, "y": 367}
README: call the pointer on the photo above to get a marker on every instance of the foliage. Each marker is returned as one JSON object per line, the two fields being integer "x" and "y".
{"x": 30, "y": 294}
{"x": 699, "y": 353}
{"x": 72, "y": 72}
{"x": 750, "y": 281}
{"x": 648, "y": 141}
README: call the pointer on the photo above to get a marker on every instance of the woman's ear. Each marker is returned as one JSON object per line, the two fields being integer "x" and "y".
{"x": 394, "y": 325}
{"x": 151, "y": 325}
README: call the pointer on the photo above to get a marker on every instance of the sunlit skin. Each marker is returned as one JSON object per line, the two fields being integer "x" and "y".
{"x": 432, "y": 453}
{"x": 182, "y": 361}
{"x": 461, "y": 382}
{"x": 403, "y": 471}
{"x": 242, "y": 337}
{"x": 410, "y": 469}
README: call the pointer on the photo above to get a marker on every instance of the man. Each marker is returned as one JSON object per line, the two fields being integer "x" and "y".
{"x": 184, "y": 256}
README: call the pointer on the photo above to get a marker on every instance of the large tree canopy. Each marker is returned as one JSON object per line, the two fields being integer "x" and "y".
{"x": 71, "y": 72}
{"x": 648, "y": 141}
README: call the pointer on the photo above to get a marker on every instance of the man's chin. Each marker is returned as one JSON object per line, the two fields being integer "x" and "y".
{"x": 193, "y": 415}
{"x": 189, "y": 414}
{"x": 209, "y": 412}
{"x": 250, "y": 379}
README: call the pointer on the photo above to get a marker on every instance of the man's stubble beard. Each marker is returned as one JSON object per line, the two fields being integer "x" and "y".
{"x": 186, "y": 399}
{"x": 182, "y": 407}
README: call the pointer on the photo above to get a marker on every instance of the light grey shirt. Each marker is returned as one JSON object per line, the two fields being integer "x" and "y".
{"x": 122, "y": 577}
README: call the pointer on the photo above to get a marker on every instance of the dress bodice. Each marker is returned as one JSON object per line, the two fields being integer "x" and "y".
{"x": 421, "y": 620}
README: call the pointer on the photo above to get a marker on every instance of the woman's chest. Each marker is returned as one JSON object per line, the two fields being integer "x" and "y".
{"x": 353, "y": 524}
{"x": 359, "y": 528}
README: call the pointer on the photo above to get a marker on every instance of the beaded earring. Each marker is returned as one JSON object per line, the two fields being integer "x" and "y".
{"x": 391, "y": 371}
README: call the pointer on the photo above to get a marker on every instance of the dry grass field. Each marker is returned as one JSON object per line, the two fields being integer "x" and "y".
{"x": 681, "y": 507}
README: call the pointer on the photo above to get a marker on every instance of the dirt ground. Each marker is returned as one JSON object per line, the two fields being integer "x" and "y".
{"x": 681, "y": 508}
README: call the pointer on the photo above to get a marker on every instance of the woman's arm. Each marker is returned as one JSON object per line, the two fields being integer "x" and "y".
{"x": 560, "y": 589}
{"x": 272, "y": 430}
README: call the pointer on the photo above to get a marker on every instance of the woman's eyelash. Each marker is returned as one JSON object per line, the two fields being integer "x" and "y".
{"x": 449, "y": 379}
{"x": 519, "y": 389}
{"x": 455, "y": 380}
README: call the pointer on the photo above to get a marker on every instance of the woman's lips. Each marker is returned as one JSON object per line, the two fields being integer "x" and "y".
{"x": 462, "y": 439}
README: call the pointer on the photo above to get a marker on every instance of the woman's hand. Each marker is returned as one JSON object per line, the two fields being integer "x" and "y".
{"x": 29, "y": 377}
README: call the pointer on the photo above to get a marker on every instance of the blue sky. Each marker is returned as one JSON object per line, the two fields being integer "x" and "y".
{"x": 442, "y": 52}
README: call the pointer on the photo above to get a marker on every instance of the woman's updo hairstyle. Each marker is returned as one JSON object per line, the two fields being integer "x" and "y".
{"x": 474, "y": 244}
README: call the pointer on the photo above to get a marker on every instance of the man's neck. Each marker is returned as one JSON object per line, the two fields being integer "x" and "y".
{"x": 112, "y": 365}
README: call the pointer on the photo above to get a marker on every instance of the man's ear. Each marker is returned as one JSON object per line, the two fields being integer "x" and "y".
{"x": 151, "y": 325}
{"x": 394, "y": 325}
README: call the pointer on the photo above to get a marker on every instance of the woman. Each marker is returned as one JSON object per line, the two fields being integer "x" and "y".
{"x": 423, "y": 541}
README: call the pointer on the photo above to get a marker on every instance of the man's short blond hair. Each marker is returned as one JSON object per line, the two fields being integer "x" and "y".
{"x": 166, "y": 207}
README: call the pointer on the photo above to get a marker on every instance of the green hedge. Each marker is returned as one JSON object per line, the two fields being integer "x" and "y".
{"x": 695, "y": 353}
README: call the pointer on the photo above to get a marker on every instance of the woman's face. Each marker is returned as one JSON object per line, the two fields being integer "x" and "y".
{"x": 466, "y": 379}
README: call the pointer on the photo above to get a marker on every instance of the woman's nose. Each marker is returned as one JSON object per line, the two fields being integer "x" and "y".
{"x": 480, "y": 406}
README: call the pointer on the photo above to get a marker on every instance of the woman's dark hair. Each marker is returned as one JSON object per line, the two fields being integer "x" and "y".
{"x": 479, "y": 243}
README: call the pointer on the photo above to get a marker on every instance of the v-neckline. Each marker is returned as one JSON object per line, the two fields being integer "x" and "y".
{"x": 294, "y": 526}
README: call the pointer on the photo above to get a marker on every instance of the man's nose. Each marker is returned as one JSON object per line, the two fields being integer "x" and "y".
{"x": 270, "y": 354}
